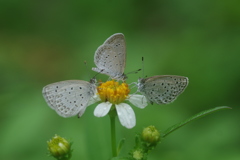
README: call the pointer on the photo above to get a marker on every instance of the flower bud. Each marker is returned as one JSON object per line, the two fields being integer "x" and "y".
{"x": 59, "y": 147}
{"x": 151, "y": 135}
{"x": 138, "y": 154}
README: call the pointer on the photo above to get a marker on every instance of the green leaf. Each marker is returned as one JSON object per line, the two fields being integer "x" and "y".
{"x": 197, "y": 116}
{"x": 120, "y": 144}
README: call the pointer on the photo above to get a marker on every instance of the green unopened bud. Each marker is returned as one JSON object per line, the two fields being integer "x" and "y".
{"x": 151, "y": 135}
{"x": 138, "y": 154}
{"x": 59, "y": 147}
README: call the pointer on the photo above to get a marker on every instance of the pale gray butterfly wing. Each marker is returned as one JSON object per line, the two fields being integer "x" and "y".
{"x": 162, "y": 89}
{"x": 68, "y": 98}
{"x": 110, "y": 58}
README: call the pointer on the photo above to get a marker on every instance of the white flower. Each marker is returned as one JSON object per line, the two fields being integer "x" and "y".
{"x": 112, "y": 93}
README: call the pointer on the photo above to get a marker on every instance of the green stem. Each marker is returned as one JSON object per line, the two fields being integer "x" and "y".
{"x": 197, "y": 116}
{"x": 112, "y": 115}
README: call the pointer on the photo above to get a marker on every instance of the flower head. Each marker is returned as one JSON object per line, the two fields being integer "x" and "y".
{"x": 59, "y": 147}
{"x": 138, "y": 154}
{"x": 151, "y": 135}
{"x": 113, "y": 95}
{"x": 113, "y": 92}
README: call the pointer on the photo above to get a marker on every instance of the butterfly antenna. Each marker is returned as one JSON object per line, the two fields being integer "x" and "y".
{"x": 142, "y": 67}
{"x": 85, "y": 62}
{"x": 98, "y": 73}
{"x": 134, "y": 72}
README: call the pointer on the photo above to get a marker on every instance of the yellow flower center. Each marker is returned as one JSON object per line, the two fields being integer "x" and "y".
{"x": 113, "y": 92}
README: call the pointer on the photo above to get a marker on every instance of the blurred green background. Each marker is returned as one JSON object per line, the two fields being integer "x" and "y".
{"x": 42, "y": 42}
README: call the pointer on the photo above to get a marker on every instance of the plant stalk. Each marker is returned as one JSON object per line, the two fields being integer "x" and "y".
{"x": 112, "y": 115}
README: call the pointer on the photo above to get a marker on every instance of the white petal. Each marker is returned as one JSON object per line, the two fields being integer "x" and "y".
{"x": 137, "y": 100}
{"x": 94, "y": 99}
{"x": 126, "y": 115}
{"x": 102, "y": 109}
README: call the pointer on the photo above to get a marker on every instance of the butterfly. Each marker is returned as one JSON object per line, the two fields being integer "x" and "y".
{"x": 110, "y": 57}
{"x": 69, "y": 98}
{"x": 162, "y": 89}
